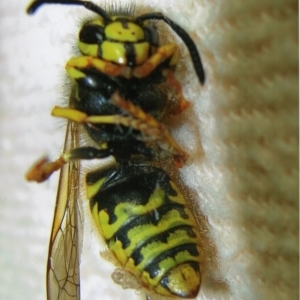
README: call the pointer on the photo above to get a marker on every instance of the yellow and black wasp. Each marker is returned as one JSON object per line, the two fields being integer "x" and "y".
{"x": 124, "y": 87}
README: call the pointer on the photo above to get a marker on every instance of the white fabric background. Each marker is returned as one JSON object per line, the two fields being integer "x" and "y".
{"x": 241, "y": 133}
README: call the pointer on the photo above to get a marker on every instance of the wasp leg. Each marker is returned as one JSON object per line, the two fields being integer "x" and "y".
{"x": 75, "y": 67}
{"x": 83, "y": 118}
{"x": 89, "y": 153}
{"x": 163, "y": 53}
{"x": 44, "y": 168}
{"x": 181, "y": 103}
{"x": 119, "y": 150}
{"x": 154, "y": 134}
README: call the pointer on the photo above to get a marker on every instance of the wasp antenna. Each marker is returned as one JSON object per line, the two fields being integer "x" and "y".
{"x": 185, "y": 38}
{"x": 37, "y": 3}
{"x": 87, "y": 4}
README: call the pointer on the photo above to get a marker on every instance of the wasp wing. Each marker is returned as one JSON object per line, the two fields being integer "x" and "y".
{"x": 63, "y": 276}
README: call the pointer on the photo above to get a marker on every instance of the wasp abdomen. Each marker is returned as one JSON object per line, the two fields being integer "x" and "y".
{"x": 145, "y": 221}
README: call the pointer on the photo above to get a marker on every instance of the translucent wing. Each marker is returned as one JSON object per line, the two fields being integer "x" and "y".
{"x": 63, "y": 275}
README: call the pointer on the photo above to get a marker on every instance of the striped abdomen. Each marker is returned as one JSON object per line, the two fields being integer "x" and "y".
{"x": 144, "y": 219}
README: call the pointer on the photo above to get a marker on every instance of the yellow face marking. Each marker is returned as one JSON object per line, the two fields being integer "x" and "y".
{"x": 141, "y": 51}
{"x": 114, "y": 52}
{"x": 88, "y": 49}
{"x": 129, "y": 33}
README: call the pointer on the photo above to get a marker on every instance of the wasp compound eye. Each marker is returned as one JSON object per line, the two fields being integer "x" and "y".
{"x": 91, "y": 34}
{"x": 151, "y": 35}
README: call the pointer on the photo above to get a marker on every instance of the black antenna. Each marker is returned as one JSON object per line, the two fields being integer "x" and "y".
{"x": 184, "y": 36}
{"x": 87, "y": 4}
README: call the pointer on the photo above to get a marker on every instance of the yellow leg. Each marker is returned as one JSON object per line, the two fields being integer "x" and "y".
{"x": 154, "y": 134}
{"x": 75, "y": 67}
{"x": 139, "y": 119}
{"x": 164, "y": 52}
{"x": 82, "y": 118}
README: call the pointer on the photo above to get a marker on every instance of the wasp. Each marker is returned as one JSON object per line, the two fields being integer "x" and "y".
{"x": 123, "y": 89}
